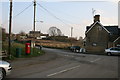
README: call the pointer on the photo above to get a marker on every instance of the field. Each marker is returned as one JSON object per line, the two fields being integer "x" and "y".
{"x": 57, "y": 44}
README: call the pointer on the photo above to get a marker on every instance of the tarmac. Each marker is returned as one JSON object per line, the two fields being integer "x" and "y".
{"x": 22, "y": 62}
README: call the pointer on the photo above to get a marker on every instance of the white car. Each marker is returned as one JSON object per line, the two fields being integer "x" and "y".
{"x": 5, "y": 69}
{"x": 81, "y": 50}
{"x": 113, "y": 50}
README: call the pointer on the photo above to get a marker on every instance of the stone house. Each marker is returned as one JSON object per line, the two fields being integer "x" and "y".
{"x": 117, "y": 42}
{"x": 99, "y": 37}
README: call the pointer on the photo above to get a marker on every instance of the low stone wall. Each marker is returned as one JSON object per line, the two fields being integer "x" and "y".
{"x": 97, "y": 49}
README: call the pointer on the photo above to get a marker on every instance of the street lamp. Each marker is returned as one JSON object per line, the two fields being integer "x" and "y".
{"x": 40, "y": 31}
{"x": 39, "y": 21}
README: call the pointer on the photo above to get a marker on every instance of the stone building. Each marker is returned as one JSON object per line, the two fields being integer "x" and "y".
{"x": 99, "y": 37}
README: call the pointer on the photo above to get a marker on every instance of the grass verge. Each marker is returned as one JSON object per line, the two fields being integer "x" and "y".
{"x": 34, "y": 51}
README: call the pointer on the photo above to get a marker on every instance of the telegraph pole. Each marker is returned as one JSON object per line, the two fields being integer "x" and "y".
{"x": 34, "y": 21}
{"x": 71, "y": 32}
{"x": 10, "y": 25}
{"x": 34, "y": 15}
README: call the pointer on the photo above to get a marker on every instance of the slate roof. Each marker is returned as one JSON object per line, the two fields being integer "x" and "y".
{"x": 113, "y": 29}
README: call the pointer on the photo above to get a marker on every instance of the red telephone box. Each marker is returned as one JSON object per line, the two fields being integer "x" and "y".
{"x": 27, "y": 48}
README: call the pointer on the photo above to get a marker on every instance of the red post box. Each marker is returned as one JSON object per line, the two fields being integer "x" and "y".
{"x": 27, "y": 48}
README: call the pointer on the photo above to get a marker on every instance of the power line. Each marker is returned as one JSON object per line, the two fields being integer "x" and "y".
{"x": 22, "y": 11}
{"x": 53, "y": 15}
{"x": 18, "y": 14}
{"x": 69, "y": 15}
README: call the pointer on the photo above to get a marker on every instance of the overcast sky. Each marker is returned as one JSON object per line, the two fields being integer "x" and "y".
{"x": 62, "y": 14}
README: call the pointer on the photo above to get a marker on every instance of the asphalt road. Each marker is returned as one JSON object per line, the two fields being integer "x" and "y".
{"x": 65, "y": 64}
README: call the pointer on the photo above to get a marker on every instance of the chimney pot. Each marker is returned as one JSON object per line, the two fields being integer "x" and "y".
{"x": 97, "y": 18}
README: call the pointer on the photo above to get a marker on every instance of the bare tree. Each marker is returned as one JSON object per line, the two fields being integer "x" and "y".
{"x": 54, "y": 31}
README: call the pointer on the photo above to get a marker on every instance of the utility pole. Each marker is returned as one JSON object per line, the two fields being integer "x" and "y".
{"x": 34, "y": 15}
{"x": 71, "y": 32}
{"x": 10, "y": 25}
{"x": 71, "y": 36}
{"x": 34, "y": 21}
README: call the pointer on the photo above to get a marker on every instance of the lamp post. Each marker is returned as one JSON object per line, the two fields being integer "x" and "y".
{"x": 40, "y": 31}
{"x": 40, "y": 22}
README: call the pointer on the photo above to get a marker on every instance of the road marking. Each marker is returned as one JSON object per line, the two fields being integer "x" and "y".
{"x": 63, "y": 71}
{"x": 95, "y": 60}
{"x": 66, "y": 55}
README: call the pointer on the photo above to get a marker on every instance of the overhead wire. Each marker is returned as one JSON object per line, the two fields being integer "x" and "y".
{"x": 22, "y": 11}
{"x": 18, "y": 14}
{"x": 53, "y": 15}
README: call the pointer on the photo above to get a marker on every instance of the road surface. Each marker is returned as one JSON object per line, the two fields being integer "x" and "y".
{"x": 65, "y": 64}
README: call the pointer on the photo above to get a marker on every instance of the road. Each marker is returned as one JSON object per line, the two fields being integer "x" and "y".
{"x": 65, "y": 64}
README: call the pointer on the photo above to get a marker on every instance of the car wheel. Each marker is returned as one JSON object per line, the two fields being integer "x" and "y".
{"x": 77, "y": 51}
{"x": 109, "y": 54}
{"x": 2, "y": 74}
{"x": 74, "y": 50}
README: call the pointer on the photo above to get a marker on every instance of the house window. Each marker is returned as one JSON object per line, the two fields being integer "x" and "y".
{"x": 99, "y": 28}
{"x": 84, "y": 43}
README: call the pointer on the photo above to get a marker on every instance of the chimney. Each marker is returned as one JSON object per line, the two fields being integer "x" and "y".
{"x": 97, "y": 18}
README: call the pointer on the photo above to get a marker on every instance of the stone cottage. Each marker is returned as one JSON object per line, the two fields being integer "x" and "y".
{"x": 99, "y": 37}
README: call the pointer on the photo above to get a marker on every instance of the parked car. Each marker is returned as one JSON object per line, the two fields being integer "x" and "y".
{"x": 113, "y": 50}
{"x": 5, "y": 69}
{"x": 75, "y": 48}
{"x": 82, "y": 50}
{"x": 38, "y": 46}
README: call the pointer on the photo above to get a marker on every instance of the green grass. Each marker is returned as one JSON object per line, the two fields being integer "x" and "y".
{"x": 34, "y": 52}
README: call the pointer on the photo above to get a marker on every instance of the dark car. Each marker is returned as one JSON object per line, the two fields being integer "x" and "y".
{"x": 75, "y": 48}
{"x": 38, "y": 46}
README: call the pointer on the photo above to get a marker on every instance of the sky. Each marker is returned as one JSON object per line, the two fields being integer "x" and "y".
{"x": 62, "y": 14}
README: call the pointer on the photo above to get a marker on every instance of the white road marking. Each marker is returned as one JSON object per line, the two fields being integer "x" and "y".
{"x": 63, "y": 71}
{"x": 95, "y": 60}
{"x": 66, "y": 55}
{"x": 69, "y": 55}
